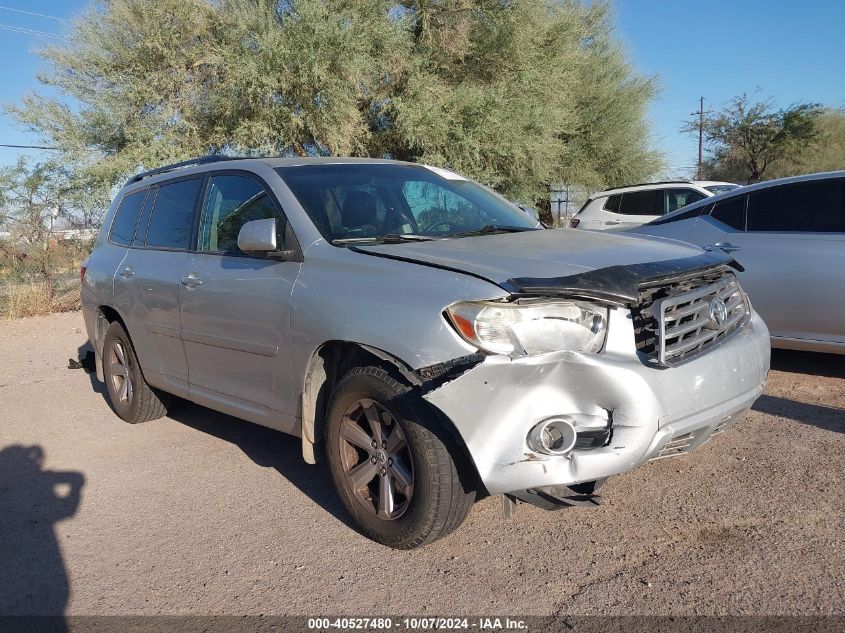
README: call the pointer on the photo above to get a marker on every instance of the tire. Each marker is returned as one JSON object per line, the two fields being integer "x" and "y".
{"x": 133, "y": 399}
{"x": 373, "y": 481}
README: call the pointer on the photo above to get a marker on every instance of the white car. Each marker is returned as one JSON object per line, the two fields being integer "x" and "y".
{"x": 627, "y": 207}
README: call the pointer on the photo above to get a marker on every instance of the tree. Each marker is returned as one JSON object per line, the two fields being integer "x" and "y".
{"x": 825, "y": 153}
{"x": 34, "y": 196}
{"x": 29, "y": 204}
{"x": 745, "y": 139}
{"x": 30, "y": 199}
{"x": 517, "y": 94}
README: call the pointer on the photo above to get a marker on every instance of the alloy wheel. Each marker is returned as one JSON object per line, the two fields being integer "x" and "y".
{"x": 121, "y": 376}
{"x": 376, "y": 459}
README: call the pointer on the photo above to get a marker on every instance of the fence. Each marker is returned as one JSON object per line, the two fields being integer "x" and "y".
{"x": 565, "y": 201}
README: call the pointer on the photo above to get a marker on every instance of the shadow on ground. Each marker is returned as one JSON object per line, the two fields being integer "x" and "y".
{"x": 85, "y": 362}
{"x": 268, "y": 448}
{"x": 263, "y": 446}
{"x": 810, "y": 363}
{"x": 820, "y": 415}
{"x": 33, "y": 578}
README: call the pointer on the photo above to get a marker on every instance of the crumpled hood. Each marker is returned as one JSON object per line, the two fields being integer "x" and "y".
{"x": 536, "y": 254}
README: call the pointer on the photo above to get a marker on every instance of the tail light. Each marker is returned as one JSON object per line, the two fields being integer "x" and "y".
{"x": 82, "y": 271}
{"x": 574, "y": 222}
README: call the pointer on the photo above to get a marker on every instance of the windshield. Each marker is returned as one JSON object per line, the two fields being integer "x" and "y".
{"x": 353, "y": 202}
{"x": 717, "y": 189}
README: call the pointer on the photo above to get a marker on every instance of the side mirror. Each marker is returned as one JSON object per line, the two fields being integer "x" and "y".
{"x": 258, "y": 236}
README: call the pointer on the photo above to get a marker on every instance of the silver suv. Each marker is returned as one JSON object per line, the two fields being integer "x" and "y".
{"x": 417, "y": 331}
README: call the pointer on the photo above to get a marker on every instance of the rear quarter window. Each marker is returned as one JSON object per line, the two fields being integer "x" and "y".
{"x": 125, "y": 218}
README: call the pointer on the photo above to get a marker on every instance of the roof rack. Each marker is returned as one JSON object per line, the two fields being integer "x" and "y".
{"x": 191, "y": 162}
{"x": 659, "y": 182}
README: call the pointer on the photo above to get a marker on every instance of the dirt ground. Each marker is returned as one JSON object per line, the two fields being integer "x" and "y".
{"x": 203, "y": 514}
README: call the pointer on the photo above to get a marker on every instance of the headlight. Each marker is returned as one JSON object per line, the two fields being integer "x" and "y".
{"x": 526, "y": 329}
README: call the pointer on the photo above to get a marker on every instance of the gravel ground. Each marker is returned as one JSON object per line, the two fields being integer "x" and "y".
{"x": 202, "y": 514}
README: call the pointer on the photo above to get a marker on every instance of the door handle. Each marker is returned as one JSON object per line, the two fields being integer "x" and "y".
{"x": 126, "y": 272}
{"x": 191, "y": 280}
{"x": 725, "y": 247}
{"x": 613, "y": 222}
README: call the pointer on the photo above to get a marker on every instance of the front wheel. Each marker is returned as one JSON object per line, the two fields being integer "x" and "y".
{"x": 395, "y": 468}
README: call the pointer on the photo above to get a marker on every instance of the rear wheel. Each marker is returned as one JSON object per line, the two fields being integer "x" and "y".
{"x": 396, "y": 470}
{"x": 130, "y": 395}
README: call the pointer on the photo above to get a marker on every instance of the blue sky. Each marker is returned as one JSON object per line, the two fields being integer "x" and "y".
{"x": 18, "y": 64}
{"x": 716, "y": 49}
{"x": 790, "y": 51}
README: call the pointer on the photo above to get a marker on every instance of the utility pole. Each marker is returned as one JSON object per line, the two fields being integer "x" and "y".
{"x": 700, "y": 114}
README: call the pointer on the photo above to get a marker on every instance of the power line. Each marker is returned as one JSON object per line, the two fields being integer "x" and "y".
{"x": 39, "y": 15}
{"x": 18, "y": 29}
{"x": 28, "y": 146}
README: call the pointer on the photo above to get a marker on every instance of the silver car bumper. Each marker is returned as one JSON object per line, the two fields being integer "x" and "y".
{"x": 652, "y": 412}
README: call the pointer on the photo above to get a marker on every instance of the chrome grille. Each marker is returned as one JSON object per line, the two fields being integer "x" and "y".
{"x": 684, "y": 323}
{"x": 673, "y": 323}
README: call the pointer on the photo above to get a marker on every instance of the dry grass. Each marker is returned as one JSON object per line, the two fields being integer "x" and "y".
{"x": 37, "y": 298}
{"x": 35, "y": 280}
{"x": 67, "y": 301}
{"x": 23, "y": 300}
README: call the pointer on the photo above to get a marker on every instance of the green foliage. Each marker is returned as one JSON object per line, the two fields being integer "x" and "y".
{"x": 34, "y": 195}
{"x": 746, "y": 139}
{"x": 38, "y": 271}
{"x": 517, "y": 94}
{"x": 825, "y": 153}
{"x": 29, "y": 199}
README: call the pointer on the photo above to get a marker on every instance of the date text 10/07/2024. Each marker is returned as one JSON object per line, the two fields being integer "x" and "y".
{"x": 426, "y": 623}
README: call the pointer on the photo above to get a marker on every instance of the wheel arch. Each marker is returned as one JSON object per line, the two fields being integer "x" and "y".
{"x": 106, "y": 315}
{"x": 328, "y": 364}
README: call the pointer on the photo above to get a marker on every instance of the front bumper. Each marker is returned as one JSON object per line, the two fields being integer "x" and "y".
{"x": 652, "y": 412}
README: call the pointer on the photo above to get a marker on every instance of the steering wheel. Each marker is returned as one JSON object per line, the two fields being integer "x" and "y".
{"x": 431, "y": 227}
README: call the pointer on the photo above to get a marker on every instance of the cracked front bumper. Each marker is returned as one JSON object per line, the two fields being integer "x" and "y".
{"x": 652, "y": 412}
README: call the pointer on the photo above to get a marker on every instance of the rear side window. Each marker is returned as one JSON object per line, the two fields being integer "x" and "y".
{"x": 642, "y": 203}
{"x": 817, "y": 206}
{"x": 612, "y": 203}
{"x": 172, "y": 217}
{"x": 730, "y": 212}
{"x": 231, "y": 202}
{"x": 123, "y": 226}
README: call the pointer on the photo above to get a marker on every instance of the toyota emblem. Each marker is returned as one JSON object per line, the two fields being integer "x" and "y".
{"x": 718, "y": 313}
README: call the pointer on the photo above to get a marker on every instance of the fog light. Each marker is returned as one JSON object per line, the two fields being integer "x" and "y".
{"x": 553, "y": 436}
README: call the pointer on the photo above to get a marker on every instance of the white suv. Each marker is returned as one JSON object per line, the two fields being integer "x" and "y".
{"x": 626, "y": 207}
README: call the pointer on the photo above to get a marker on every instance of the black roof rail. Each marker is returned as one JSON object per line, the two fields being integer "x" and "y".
{"x": 191, "y": 162}
{"x": 659, "y": 182}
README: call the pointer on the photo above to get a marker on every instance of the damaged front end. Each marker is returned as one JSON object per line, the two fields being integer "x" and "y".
{"x": 547, "y": 425}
